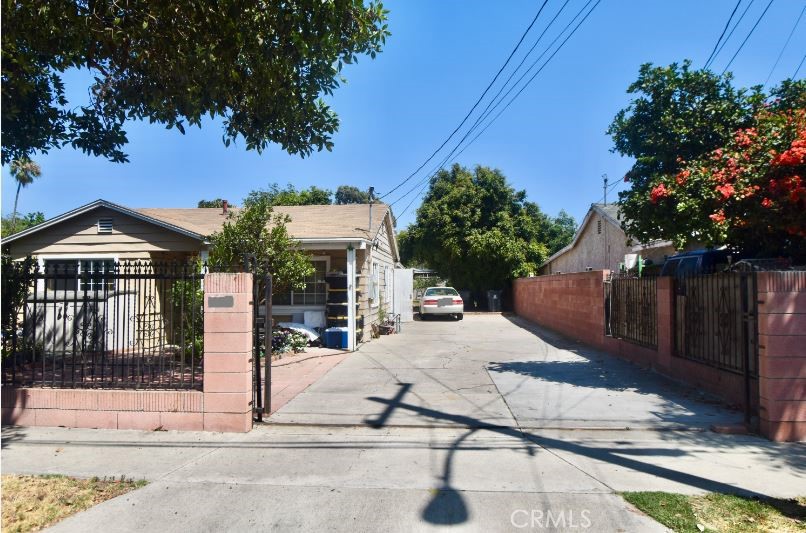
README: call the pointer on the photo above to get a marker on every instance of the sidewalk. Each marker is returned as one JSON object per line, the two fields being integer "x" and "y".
{"x": 296, "y": 372}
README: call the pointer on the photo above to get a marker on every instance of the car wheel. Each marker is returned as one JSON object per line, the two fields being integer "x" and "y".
{"x": 423, "y": 317}
{"x": 460, "y": 316}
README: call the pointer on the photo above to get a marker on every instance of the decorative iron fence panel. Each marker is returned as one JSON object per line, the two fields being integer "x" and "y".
{"x": 631, "y": 310}
{"x": 117, "y": 325}
{"x": 716, "y": 320}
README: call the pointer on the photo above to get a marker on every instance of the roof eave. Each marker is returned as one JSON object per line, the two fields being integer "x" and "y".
{"x": 109, "y": 205}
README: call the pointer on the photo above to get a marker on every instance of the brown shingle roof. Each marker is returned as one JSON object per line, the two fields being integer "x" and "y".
{"x": 307, "y": 221}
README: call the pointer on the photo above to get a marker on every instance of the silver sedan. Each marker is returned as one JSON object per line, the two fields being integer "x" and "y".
{"x": 441, "y": 301}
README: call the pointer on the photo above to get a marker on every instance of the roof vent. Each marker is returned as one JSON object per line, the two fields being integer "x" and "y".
{"x": 104, "y": 225}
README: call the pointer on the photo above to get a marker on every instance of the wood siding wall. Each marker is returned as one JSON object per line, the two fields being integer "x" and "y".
{"x": 131, "y": 238}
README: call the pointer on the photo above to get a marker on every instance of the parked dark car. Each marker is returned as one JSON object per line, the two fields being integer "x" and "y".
{"x": 697, "y": 262}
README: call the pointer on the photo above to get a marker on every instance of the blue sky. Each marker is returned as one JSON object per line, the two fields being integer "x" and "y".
{"x": 397, "y": 109}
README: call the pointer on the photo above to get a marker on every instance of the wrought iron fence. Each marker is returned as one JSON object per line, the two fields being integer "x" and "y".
{"x": 102, "y": 324}
{"x": 631, "y": 310}
{"x": 715, "y": 320}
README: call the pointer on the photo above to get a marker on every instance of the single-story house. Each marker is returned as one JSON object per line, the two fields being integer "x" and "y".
{"x": 600, "y": 243}
{"x": 342, "y": 239}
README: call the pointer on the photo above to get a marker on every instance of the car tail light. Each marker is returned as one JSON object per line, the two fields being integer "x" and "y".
{"x": 457, "y": 301}
{"x": 430, "y": 302}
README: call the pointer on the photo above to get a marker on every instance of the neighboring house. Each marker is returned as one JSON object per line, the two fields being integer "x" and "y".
{"x": 92, "y": 236}
{"x": 600, "y": 243}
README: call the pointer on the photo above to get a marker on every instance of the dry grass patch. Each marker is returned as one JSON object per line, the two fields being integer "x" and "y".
{"x": 721, "y": 512}
{"x": 31, "y": 503}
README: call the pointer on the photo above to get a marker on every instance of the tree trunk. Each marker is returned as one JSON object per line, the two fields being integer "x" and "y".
{"x": 14, "y": 214}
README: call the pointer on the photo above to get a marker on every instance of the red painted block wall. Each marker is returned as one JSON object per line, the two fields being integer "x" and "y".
{"x": 782, "y": 354}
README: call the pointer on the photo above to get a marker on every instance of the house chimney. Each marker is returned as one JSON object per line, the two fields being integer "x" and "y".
{"x": 224, "y": 207}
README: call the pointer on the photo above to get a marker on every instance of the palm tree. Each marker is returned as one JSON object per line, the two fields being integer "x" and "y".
{"x": 25, "y": 171}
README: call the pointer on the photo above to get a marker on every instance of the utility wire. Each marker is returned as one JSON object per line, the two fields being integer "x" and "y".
{"x": 799, "y": 65}
{"x": 483, "y": 117}
{"x": 781, "y": 53}
{"x": 730, "y": 34}
{"x": 727, "y": 24}
{"x": 467, "y": 116}
{"x": 748, "y": 36}
{"x": 426, "y": 180}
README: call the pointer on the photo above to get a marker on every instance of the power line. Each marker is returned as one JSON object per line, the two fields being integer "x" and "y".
{"x": 428, "y": 177}
{"x": 487, "y": 111}
{"x": 748, "y": 36}
{"x": 799, "y": 65}
{"x": 520, "y": 41}
{"x": 730, "y": 34}
{"x": 723, "y": 32}
{"x": 425, "y": 181}
{"x": 781, "y": 53}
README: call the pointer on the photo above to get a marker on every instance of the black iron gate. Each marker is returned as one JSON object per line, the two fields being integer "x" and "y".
{"x": 261, "y": 341}
{"x": 631, "y": 309}
{"x": 716, "y": 323}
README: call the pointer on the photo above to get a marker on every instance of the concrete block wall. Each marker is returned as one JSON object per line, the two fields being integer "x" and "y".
{"x": 224, "y": 404}
{"x": 572, "y": 304}
{"x": 782, "y": 354}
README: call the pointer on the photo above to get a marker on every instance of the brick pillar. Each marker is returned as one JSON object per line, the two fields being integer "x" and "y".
{"x": 665, "y": 318}
{"x": 228, "y": 352}
{"x": 782, "y": 355}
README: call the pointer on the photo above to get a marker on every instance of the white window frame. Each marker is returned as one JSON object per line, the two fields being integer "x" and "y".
{"x": 374, "y": 284}
{"x": 286, "y": 307}
{"x": 78, "y": 258}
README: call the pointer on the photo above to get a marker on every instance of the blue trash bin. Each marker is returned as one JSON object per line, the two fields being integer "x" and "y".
{"x": 336, "y": 338}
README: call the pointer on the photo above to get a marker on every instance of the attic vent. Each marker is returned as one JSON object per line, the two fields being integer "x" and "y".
{"x": 599, "y": 226}
{"x": 104, "y": 225}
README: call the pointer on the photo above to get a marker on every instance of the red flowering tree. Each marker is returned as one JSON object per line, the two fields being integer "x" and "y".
{"x": 714, "y": 165}
{"x": 749, "y": 194}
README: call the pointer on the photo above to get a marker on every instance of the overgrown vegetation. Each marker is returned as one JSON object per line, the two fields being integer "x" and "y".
{"x": 261, "y": 67}
{"x": 721, "y": 512}
{"x": 32, "y": 503}
{"x": 284, "y": 340}
{"x": 14, "y": 224}
{"x": 479, "y": 232}
{"x": 257, "y": 231}
{"x": 17, "y": 282}
{"x": 714, "y": 165}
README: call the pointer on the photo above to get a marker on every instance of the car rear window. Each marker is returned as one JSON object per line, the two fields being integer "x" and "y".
{"x": 442, "y": 291}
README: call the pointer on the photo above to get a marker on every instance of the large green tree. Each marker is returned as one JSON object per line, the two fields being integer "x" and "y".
{"x": 704, "y": 154}
{"x": 349, "y": 194}
{"x": 257, "y": 231}
{"x": 289, "y": 195}
{"x": 476, "y": 230}
{"x": 16, "y": 223}
{"x": 218, "y": 202}
{"x": 261, "y": 66}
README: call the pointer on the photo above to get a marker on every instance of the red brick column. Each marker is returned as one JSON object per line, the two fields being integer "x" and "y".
{"x": 782, "y": 355}
{"x": 228, "y": 352}
{"x": 665, "y": 318}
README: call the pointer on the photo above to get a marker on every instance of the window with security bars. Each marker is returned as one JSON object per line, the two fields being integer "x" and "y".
{"x": 79, "y": 274}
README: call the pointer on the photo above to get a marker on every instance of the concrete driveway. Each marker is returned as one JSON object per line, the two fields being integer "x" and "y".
{"x": 494, "y": 370}
{"x": 413, "y": 433}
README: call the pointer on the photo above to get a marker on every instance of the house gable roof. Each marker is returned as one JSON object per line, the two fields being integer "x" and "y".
{"x": 311, "y": 223}
{"x": 109, "y": 205}
{"x": 609, "y": 213}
